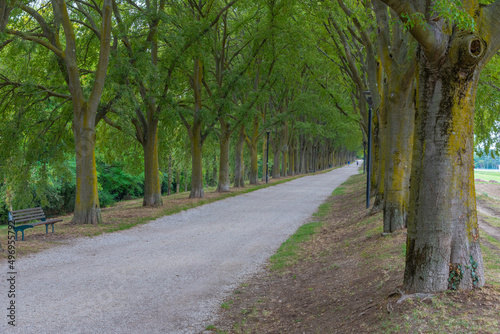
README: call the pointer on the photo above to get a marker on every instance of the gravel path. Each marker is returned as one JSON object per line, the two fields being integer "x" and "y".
{"x": 167, "y": 276}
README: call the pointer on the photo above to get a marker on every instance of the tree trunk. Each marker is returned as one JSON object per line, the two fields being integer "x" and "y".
{"x": 223, "y": 183}
{"x": 152, "y": 185}
{"x": 177, "y": 181}
{"x": 276, "y": 158}
{"x": 239, "y": 179}
{"x": 443, "y": 233}
{"x": 196, "y": 163}
{"x": 169, "y": 176}
{"x": 297, "y": 155}
{"x": 87, "y": 209}
{"x": 265, "y": 159}
{"x": 303, "y": 163}
{"x": 284, "y": 150}
{"x": 284, "y": 162}
{"x": 400, "y": 126}
{"x": 213, "y": 179}
{"x": 252, "y": 146}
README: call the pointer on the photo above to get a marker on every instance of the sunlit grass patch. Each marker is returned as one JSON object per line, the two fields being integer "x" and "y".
{"x": 493, "y": 221}
{"x": 323, "y": 210}
{"x": 338, "y": 191}
{"x": 288, "y": 253}
{"x": 370, "y": 219}
{"x": 487, "y": 176}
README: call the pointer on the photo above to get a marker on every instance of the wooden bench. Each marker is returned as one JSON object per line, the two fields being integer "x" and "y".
{"x": 28, "y": 215}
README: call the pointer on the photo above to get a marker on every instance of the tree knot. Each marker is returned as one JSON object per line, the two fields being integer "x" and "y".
{"x": 466, "y": 50}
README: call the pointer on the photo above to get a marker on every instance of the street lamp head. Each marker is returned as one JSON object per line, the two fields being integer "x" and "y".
{"x": 368, "y": 97}
{"x": 267, "y": 131}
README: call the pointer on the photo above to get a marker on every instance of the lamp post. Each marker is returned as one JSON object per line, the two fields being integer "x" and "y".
{"x": 369, "y": 100}
{"x": 364, "y": 156}
{"x": 267, "y": 157}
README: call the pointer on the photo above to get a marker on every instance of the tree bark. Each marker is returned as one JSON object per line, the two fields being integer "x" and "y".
{"x": 303, "y": 155}
{"x": 169, "y": 176}
{"x": 177, "y": 181}
{"x": 224, "y": 183}
{"x": 400, "y": 126}
{"x": 239, "y": 179}
{"x": 443, "y": 233}
{"x": 152, "y": 184}
{"x": 196, "y": 163}
{"x": 252, "y": 146}
{"x": 397, "y": 73}
{"x": 87, "y": 209}
{"x": 276, "y": 157}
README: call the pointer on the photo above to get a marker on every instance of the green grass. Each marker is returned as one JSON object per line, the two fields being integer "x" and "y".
{"x": 338, "y": 191}
{"x": 493, "y": 221}
{"x": 370, "y": 219}
{"x": 227, "y": 305}
{"x": 288, "y": 253}
{"x": 487, "y": 176}
{"x": 323, "y": 210}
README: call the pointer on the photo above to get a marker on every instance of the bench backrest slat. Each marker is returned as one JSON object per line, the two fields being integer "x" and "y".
{"x": 38, "y": 208}
{"x": 25, "y": 215}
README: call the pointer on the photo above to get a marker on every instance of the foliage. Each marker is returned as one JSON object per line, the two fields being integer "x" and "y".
{"x": 452, "y": 11}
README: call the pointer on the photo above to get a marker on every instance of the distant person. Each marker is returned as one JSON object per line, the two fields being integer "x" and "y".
{"x": 348, "y": 163}
{"x": 357, "y": 162}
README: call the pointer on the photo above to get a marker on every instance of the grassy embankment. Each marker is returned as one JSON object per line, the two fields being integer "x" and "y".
{"x": 340, "y": 275}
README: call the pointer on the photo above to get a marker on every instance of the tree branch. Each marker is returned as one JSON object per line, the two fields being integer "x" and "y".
{"x": 428, "y": 35}
{"x": 37, "y": 40}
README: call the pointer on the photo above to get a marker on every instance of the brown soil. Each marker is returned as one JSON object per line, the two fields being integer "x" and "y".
{"x": 492, "y": 189}
{"x": 346, "y": 281}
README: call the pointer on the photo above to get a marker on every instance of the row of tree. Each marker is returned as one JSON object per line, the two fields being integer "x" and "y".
{"x": 223, "y": 70}
{"x": 200, "y": 75}
{"x": 423, "y": 70}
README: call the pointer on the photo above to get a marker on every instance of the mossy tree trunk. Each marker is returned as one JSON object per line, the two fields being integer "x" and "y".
{"x": 194, "y": 130}
{"x": 252, "y": 146}
{"x": 177, "y": 180}
{"x": 276, "y": 146}
{"x": 87, "y": 209}
{"x": 239, "y": 176}
{"x": 196, "y": 163}
{"x": 148, "y": 110}
{"x": 443, "y": 250}
{"x": 443, "y": 233}
{"x": 398, "y": 64}
{"x": 152, "y": 182}
{"x": 224, "y": 139}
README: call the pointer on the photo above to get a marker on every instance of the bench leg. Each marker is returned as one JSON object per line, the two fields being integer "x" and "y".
{"x": 47, "y": 228}
{"x": 22, "y": 233}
